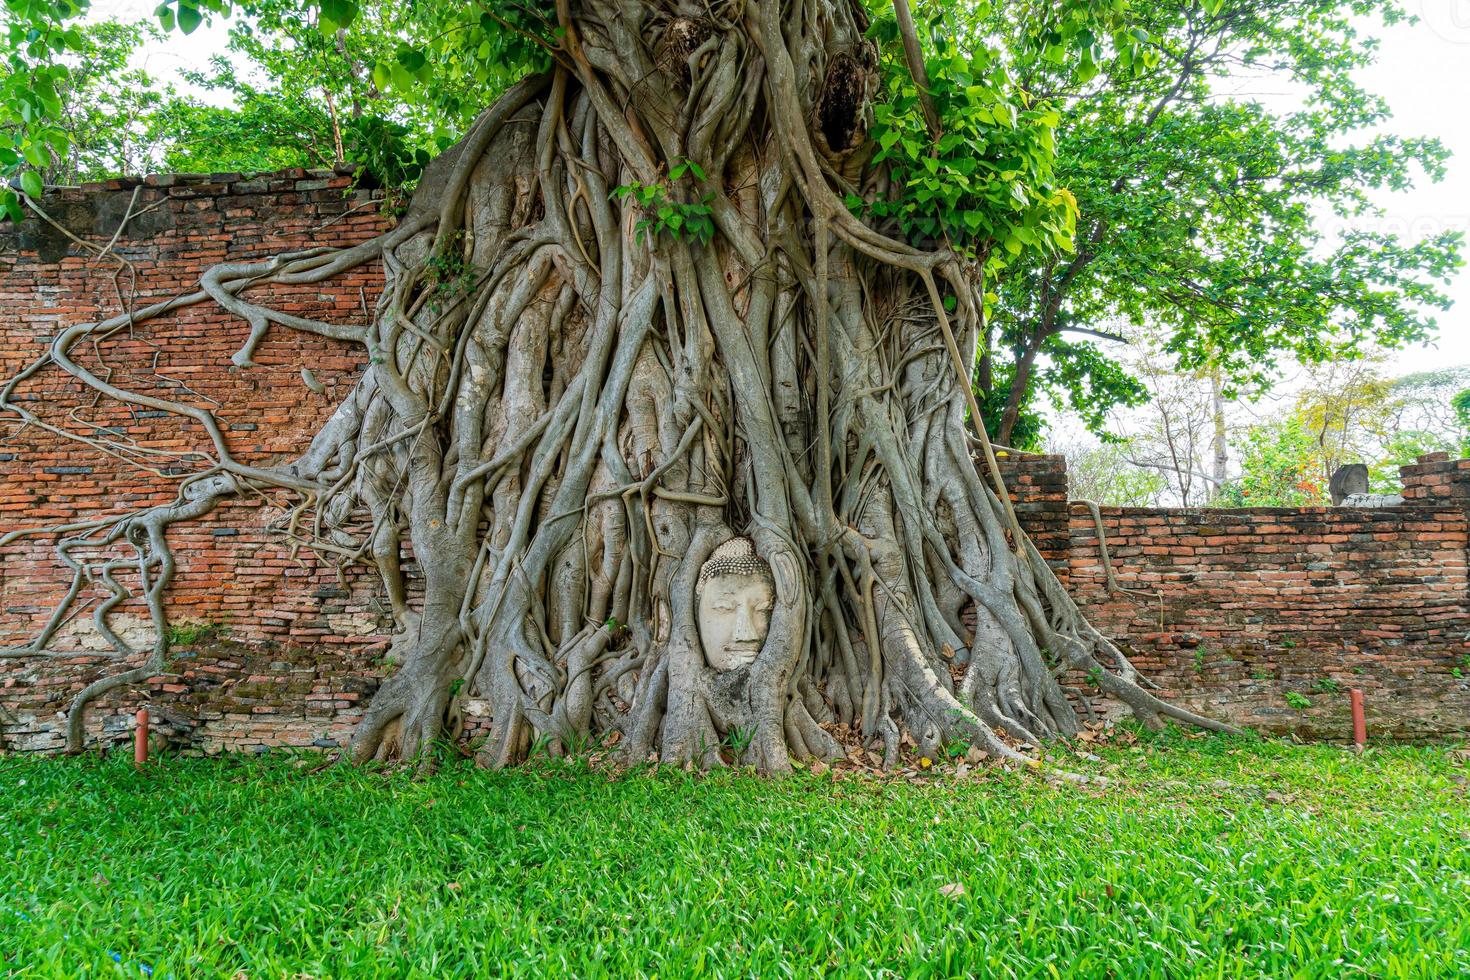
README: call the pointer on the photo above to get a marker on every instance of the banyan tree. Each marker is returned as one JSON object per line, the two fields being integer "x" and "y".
{"x": 669, "y": 400}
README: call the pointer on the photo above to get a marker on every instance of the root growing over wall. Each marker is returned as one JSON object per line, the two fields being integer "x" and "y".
{"x": 567, "y": 410}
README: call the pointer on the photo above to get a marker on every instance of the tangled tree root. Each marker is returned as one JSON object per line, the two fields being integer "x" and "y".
{"x": 569, "y": 414}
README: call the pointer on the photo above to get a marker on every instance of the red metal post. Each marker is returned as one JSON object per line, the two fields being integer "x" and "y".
{"x": 140, "y": 738}
{"x": 1360, "y": 724}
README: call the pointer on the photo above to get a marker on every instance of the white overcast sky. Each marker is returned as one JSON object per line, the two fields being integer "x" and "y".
{"x": 1423, "y": 70}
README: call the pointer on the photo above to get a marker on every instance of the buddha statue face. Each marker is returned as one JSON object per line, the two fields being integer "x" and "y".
{"x": 733, "y": 599}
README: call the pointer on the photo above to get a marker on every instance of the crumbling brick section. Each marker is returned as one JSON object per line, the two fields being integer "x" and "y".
{"x": 1240, "y": 608}
{"x": 219, "y": 696}
{"x": 1038, "y": 489}
{"x": 1437, "y": 478}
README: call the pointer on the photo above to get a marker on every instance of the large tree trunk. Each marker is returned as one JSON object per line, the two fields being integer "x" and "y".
{"x": 568, "y": 410}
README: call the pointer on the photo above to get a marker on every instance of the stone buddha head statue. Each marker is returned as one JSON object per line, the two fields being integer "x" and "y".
{"x": 733, "y": 601}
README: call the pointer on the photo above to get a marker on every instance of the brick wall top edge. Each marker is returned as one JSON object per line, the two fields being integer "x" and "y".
{"x": 159, "y": 214}
{"x": 1434, "y": 463}
{"x": 1206, "y": 513}
{"x": 1414, "y": 510}
{"x": 1013, "y": 463}
{"x": 175, "y": 179}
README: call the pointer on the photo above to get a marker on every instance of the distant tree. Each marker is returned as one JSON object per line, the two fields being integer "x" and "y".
{"x": 1402, "y": 449}
{"x": 1420, "y": 418}
{"x": 268, "y": 128}
{"x": 104, "y": 104}
{"x": 1282, "y": 467}
{"x": 1105, "y": 473}
{"x": 1348, "y": 412}
{"x": 1357, "y": 414}
{"x": 106, "y": 99}
{"x": 1345, "y": 409}
{"x": 1174, "y": 433}
{"x": 1425, "y": 401}
{"x": 295, "y": 96}
{"x": 302, "y": 95}
{"x": 1461, "y": 405}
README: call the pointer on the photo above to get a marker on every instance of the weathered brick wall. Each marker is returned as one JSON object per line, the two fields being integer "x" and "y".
{"x": 1230, "y": 610}
{"x": 1256, "y": 603}
{"x": 1038, "y": 491}
{"x": 219, "y": 696}
{"x": 1437, "y": 478}
{"x": 230, "y": 571}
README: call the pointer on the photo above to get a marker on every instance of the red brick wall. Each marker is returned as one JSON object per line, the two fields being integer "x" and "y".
{"x": 1240, "y": 607}
{"x": 1437, "y": 478}
{"x": 230, "y": 572}
{"x": 1257, "y": 603}
{"x": 1038, "y": 489}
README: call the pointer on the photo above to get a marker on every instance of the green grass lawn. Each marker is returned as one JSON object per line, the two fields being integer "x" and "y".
{"x": 1202, "y": 857}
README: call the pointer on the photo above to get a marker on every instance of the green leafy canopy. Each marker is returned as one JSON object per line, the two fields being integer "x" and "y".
{"x": 1203, "y": 210}
{"x": 986, "y": 181}
{"x": 36, "y": 33}
{"x": 1096, "y": 159}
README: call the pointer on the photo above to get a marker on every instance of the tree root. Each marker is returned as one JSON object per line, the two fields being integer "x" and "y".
{"x": 566, "y": 413}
